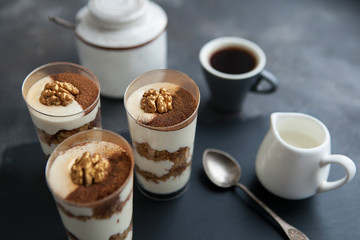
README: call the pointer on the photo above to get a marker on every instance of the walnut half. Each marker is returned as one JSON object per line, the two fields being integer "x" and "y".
{"x": 156, "y": 101}
{"x": 58, "y": 93}
{"x": 89, "y": 169}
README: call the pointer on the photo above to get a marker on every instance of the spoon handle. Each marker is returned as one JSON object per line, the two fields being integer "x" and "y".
{"x": 62, "y": 22}
{"x": 290, "y": 231}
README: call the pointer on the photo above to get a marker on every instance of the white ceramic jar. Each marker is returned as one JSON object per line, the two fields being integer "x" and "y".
{"x": 119, "y": 40}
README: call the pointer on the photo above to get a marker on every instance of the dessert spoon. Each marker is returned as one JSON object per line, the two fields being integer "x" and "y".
{"x": 224, "y": 171}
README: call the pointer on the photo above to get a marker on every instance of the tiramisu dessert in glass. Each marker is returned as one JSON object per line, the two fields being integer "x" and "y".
{"x": 63, "y": 99}
{"x": 162, "y": 108}
{"x": 90, "y": 176}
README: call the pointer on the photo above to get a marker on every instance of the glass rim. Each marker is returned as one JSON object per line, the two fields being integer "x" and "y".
{"x": 111, "y": 195}
{"x": 91, "y": 74}
{"x": 167, "y": 128}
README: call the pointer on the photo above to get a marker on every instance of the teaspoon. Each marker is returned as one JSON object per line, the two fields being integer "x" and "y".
{"x": 62, "y": 22}
{"x": 224, "y": 171}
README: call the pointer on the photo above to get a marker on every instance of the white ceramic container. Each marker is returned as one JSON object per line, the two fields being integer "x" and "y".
{"x": 119, "y": 40}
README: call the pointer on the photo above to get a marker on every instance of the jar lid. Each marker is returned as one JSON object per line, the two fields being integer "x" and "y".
{"x": 114, "y": 13}
{"x": 120, "y": 24}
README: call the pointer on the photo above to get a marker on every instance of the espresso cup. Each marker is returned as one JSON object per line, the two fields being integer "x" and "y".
{"x": 232, "y": 67}
{"x": 294, "y": 159}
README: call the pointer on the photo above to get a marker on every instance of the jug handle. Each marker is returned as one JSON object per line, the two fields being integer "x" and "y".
{"x": 343, "y": 161}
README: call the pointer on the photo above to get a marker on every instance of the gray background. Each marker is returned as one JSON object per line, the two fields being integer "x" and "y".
{"x": 311, "y": 46}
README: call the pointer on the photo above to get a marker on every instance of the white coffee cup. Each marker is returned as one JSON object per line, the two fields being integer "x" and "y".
{"x": 294, "y": 159}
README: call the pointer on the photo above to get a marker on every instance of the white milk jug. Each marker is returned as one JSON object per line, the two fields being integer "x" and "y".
{"x": 294, "y": 158}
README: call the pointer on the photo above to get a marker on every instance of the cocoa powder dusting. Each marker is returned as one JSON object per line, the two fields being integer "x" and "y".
{"x": 119, "y": 170}
{"x": 184, "y": 105}
{"x": 88, "y": 89}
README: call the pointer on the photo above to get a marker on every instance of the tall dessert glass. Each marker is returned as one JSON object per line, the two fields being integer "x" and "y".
{"x": 90, "y": 176}
{"x": 62, "y": 98}
{"x": 162, "y": 107}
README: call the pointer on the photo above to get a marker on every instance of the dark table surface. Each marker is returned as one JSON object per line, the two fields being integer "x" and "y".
{"x": 313, "y": 47}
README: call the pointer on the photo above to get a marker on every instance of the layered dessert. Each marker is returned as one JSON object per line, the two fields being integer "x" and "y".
{"x": 61, "y": 105}
{"x": 162, "y": 123}
{"x": 92, "y": 184}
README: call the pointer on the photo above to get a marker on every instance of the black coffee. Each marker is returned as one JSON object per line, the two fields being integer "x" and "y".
{"x": 233, "y": 60}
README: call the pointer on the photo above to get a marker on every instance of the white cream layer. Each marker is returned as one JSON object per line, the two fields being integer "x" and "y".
{"x": 59, "y": 118}
{"x": 159, "y": 168}
{"x": 164, "y": 140}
